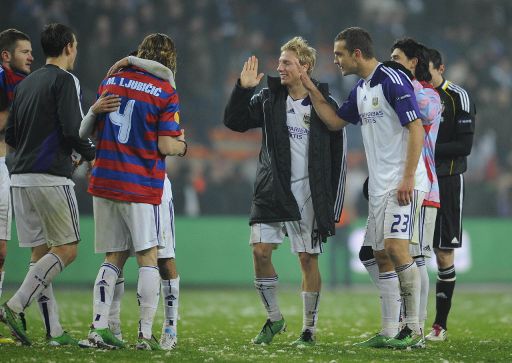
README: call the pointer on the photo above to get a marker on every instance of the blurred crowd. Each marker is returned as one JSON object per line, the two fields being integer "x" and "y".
{"x": 215, "y": 37}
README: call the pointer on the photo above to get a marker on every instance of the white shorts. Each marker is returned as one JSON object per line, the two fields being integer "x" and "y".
{"x": 423, "y": 236}
{"x": 387, "y": 219}
{"x": 303, "y": 234}
{"x": 167, "y": 231}
{"x": 122, "y": 226}
{"x": 5, "y": 202}
{"x": 46, "y": 215}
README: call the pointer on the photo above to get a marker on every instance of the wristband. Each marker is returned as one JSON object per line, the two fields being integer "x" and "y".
{"x": 186, "y": 148}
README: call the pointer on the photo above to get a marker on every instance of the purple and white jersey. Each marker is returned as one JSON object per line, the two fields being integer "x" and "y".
{"x": 298, "y": 113}
{"x": 431, "y": 109}
{"x": 384, "y": 103}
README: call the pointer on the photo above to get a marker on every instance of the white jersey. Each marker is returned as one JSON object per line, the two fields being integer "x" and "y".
{"x": 384, "y": 104}
{"x": 298, "y": 113}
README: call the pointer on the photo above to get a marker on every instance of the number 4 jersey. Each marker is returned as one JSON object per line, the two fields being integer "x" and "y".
{"x": 128, "y": 165}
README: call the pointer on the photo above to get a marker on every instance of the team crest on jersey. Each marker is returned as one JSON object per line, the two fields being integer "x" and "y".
{"x": 307, "y": 119}
{"x": 177, "y": 117}
{"x": 375, "y": 101}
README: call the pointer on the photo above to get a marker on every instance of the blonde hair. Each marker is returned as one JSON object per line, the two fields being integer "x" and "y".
{"x": 159, "y": 47}
{"x": 305, "y": 53}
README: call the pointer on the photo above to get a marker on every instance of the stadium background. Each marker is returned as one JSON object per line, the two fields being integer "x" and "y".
{"x": 213, "y": 184}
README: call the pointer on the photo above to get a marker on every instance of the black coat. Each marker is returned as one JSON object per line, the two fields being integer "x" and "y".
{"x": 273, "y": 200}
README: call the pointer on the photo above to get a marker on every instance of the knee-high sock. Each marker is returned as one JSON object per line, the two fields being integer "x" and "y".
{"x": 409, "y": 278}
{"x": 148, "y": 293}
{"x": 171, "y": 298}
{"x": 267, "y": 289}
{"x": 49, "y": 310}
{"x": 390, "y": 301}
{"x": 444, "y": 293}
{"x": 38, "y": 278}
{"x": 310, "y": 301}
{"x": 114, "y": 317}
{"x": 422, "y": 313}
{"x": 104, "y": 287}
{"x": 373, "y": 270}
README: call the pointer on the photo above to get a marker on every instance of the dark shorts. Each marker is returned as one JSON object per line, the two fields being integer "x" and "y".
{"x": 448, "y": 232}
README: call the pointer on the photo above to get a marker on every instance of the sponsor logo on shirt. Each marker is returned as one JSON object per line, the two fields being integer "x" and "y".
{"x": 297, "y": 132}
{"x": 371, "y": 117}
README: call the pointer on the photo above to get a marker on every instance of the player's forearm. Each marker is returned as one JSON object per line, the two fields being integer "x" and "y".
{"x": 168, "y": 145}
{"x": 460, "y": 147}
{"x": 153, "y": 67}
{"x": 414, "y": 147}
{"x": 325, "y": 111}
{"x": 87, "y": 124}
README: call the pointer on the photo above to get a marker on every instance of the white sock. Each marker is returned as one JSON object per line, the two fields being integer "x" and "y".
{"x": 37, "y": 279}
{"x": 267, "y": 288}
{"x": 410, "y": 281}
{"x": 390, "y": 302}
{"x": 2, "y": 276}
{"x": 148, "y": 293}
{"x": 114, "y": 316}
{"x": 104, "y": 287}
{"x": 373, "y": 270}
{"x": 171, "y": 298}
{"x": 422, "y": 313}
{"x": 310, "y": 301}
{"x": 49, "y": 311}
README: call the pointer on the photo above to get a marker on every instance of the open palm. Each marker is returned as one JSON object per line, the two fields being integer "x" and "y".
{"x": 249, "y": 77}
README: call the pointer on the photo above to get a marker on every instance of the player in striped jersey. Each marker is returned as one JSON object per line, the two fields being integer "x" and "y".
{"x": 15, "y": 61}
{"x": 166, "y": 256}
{"x": 453, "y": 145}
{"x": 127, "y": 182}
{"x": 383, "y": 102}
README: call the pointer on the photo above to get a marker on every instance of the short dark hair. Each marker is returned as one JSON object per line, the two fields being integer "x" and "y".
{"x": 435, "y": 57}
{"x": 9, "y": 37}
{"x": 413, "y": 49}
{"x": 357, "y": 38}
{"x": 54, "y": 38}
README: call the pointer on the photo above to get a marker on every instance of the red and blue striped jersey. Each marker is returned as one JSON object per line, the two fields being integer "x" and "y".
{"x": 128, "y": 165}
{"x": 9, "y": 79}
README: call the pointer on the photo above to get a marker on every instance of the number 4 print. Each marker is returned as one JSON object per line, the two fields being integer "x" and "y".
{"x": 398, "y": 219}
{"x": 124, "y": 121}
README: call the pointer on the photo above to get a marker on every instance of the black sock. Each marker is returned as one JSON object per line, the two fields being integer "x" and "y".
{"x": 444, "y": 292}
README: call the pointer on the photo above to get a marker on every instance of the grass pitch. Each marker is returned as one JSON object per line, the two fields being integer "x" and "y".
{"x": 218, "y": 325}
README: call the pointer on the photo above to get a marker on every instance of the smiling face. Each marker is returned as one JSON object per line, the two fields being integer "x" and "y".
{"x": 21, "y": 59}
{"x": 344, "y": 59}
{"x": 287, "y": 68}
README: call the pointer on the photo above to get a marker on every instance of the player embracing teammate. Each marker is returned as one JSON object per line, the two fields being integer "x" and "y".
{"x": 137, "y": 124}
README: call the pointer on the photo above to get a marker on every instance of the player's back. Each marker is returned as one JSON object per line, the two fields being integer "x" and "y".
{"x": 45, "y": 113}
{"x": 128, "y": 165}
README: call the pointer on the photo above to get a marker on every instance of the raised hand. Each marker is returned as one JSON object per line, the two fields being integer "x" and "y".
{"x": 249, "y": 77}
{"x": 106, "y": 103}
{"x": 304, "y": 77}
